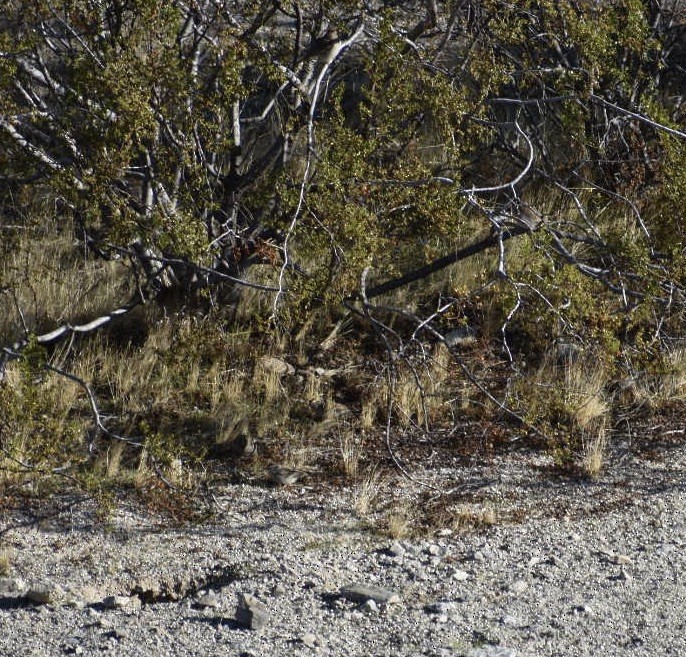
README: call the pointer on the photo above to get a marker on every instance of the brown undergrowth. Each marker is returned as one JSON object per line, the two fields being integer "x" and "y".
{"x": 193, "y": 394}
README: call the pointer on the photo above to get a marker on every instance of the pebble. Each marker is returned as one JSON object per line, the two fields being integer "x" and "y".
{"x": 209, "y": 600}
{"x": 622, "y": 560}
{"x": 370, "y": 606}
{"x": 44, "y": 594}
{"x": 363, "y": 592}
{"x": 492, "y": 651}
{"x": 396, "y": 550}
{"x": 511, "y": 621}
{"x": 11, "y": 586}
{"x": 440, "y": 607}
{"x": 310, "y": 640}
{"x": 251, "y": 612}
{"x": 130, "y": 603}
{"x": 518, "y": 586}
{"x": 436, "y": 550}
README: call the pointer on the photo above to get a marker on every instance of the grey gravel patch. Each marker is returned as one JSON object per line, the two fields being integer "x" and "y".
{"x": 575, "y": 569}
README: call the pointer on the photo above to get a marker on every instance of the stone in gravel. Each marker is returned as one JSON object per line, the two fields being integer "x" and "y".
{"x": 72, "y": 646}
{"x": 44, "y": 594}
{"x": 209, "y": 600}
{"x": 11, "y": 586}
{"x": 492, "y": 651}
{"x": 310, "y": 640}
{"x": 436, "y": 550}
{"x": 396, "y": 550}
{"x": 511, "y": 621}
{"x": 126, "y": 602}
{"x": 460, "y": 575}
{"x": 250, "y": 612}
{"x": 364, "y": 592}
{"x": 622, "y": 560}
{"x": 440, "y": 607}
{"x": 90, "y": 595}
{"x": 518, "y": 586}
{"x": 370, "y": 606}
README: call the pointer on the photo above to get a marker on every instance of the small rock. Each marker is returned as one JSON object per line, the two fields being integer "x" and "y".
{"x": 396, "y": 550}
{"x": 444, "y": 532}
{"x": 492, "y": 651}
{"x": 363, "y": 592}
{"x": 209, "y": 600}
{"x": 518, "y": 586}
{"x": 251, "y": 612}
{"x": 90, "y": 595}
{"x": 279, "y": 589}
{"x": 460, "y": 575}
{"x": 582, "y": 609}
{"x": 72, "y": 646}
{"x": 511, "y": 621}
{"x": 11, "y": 586}
{"x": 310, "y": 640}
{"x": 129, "y": 603}
{"x": 44, "y": 594}
{"x": 441, "y": 607}
{"x": 370, "y": 606}
{"x": 116, "y": 634}
{"x": 436, "y": 550}
{"x": 622, "y": 560}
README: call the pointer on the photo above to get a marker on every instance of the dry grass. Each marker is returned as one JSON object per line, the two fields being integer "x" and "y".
{"x": 469, "y": 517}
{"x": 583, "y": 389}
{"x": 184, "y": 382}
{"x": 53, "y": 282}
{"x": 351, "y": 453}
{"x": 5, "y": 563}
{"x": 398, "y": 522}
{"x": 656, "y": 391}
{"x": 366, "y": 492}
{"x": 594, "y": 445}
{"x": 374, "y": 404}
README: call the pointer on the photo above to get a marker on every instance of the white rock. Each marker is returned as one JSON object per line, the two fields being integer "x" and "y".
{"x": 370, "y": 606}
{"x": 121, "y": 602}
{"x": 519, "y": 586}
{"x": 310, "y": 640}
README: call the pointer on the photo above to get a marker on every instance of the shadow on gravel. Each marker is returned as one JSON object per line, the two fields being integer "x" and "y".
{"x": 18, "y": 602}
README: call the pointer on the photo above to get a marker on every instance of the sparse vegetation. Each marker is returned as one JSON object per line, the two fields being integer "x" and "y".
{"x": 213, "y": 235}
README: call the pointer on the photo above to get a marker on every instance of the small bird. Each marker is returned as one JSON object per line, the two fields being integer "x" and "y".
{"x": 242, "y": 445}
{"x": 282, "y": 475}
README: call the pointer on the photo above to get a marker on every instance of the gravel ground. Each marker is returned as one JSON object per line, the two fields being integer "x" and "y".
{"x": 567, "y": 568}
